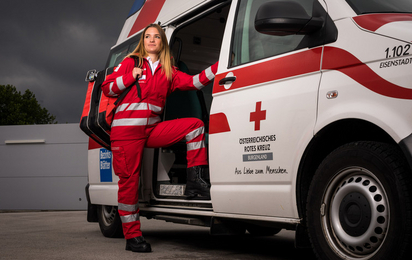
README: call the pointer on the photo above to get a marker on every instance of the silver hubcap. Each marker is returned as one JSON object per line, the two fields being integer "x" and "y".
{"x": 357, "y": 213}
{"x": 109, "y": 214}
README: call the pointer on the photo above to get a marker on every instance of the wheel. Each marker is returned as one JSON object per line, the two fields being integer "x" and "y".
{"x": 255, "y": 230}
{"x": 109, "y": 221}
{"x": 359, "y": 205}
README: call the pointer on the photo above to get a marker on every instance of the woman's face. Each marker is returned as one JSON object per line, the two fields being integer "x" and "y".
{"x": 152, "y": 41}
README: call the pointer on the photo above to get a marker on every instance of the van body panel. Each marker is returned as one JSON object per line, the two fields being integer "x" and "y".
{"x": 382, "y": 90}
{"x": 391, "y": 25}
{"x": 250, "y": 176}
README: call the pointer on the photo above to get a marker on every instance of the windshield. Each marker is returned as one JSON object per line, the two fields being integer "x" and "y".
{"x": 380, "y": 6}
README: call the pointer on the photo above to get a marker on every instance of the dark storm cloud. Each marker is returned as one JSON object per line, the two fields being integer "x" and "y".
{"x": 48, "y": 46}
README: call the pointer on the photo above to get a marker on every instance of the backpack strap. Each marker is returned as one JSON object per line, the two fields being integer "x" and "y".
{"x": 124, "y": 93}
{"x": 139, "y": 91}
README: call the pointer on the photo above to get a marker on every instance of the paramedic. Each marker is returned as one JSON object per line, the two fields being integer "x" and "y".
{"x": 137, "y": 124}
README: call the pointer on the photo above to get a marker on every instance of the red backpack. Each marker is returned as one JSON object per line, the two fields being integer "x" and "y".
{"x": 98, "y": 109}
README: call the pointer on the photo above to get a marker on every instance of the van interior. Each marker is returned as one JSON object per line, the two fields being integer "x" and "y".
{"x": 195, "y": 45}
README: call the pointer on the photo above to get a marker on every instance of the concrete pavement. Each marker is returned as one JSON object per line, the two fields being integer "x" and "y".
{"x": 67, "y": 235}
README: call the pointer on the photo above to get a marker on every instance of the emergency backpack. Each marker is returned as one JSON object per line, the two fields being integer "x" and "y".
{"x": 94, "y": 120}
{"x": 98, "y": 109}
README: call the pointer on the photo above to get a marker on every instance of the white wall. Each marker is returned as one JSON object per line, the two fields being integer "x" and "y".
{"x": 43, "y": 167}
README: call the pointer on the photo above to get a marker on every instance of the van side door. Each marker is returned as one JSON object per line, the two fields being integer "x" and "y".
{"x": 263, "y": 112}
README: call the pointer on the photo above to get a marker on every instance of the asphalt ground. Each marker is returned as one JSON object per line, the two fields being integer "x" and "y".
{"x": 67, "y": 235}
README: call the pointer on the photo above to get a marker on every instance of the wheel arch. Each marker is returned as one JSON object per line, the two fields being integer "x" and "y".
{"x": 324, "y": 142}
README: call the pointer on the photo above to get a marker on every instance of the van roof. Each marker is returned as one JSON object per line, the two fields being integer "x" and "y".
{"x": 146, "y": 12}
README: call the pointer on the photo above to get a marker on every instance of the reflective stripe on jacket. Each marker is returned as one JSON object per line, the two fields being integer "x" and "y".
{"x": 134, "y": 113}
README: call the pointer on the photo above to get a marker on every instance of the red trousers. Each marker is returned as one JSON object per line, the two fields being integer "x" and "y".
{"x": 127, "y": 156}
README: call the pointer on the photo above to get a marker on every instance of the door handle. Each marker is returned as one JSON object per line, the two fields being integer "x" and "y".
{"x": 227, "y": 80}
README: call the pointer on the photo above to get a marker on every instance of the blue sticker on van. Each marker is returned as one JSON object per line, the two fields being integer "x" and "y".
{"x": 105, "y": 165}
{"x": 137, "y": 5}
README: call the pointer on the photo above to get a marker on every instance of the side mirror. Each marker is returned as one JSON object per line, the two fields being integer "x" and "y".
{"x": 91, "y": 75}
{"x": 285, "y": 18}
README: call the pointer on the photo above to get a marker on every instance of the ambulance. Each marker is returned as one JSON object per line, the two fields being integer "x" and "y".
{"x": 309, "y": 123}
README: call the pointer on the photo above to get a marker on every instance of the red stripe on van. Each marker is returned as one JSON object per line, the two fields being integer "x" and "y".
{"x": 348, "y": 64}
{"x": 218, "y": 123}
{"x": 373, "y": 22}
{"x": 289, "y": 66}
{"x": 147, "y": 15}
{"x": 308, "y": 61}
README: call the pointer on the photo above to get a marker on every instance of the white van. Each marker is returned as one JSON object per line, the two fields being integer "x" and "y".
{"x": 309, "y": 123}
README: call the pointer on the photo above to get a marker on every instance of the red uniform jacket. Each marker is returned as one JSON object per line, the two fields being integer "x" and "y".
{"x": 135, "y": 113}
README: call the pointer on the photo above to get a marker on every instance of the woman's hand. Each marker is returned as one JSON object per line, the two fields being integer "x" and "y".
{"x": 137, "y": 72}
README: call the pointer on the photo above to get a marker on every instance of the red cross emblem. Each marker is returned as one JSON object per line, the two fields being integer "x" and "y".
{"x": 258, "y": 115}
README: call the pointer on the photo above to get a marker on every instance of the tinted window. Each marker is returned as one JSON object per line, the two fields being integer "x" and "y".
{"x": 118, "y": 54}
{"x": 250, "y": 45}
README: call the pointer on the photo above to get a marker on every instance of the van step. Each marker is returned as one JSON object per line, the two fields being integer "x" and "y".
{"x": 172, "y": 189}
{"x": 184, "y": 220}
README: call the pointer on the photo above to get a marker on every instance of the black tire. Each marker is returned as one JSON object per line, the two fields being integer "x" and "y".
{"x": 109, "y": 221}
{"x": 359, "y": 204}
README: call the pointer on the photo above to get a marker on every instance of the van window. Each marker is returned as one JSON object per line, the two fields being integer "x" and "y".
{"x": 118, "y": 54}
{"x": 250, "y": 45}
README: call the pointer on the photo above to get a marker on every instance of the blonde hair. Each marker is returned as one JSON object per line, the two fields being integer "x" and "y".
{"x": 165, "y": 57}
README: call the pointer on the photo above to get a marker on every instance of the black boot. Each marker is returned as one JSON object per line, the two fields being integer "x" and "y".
{"x": 196, "y": 183}
{"x": 138, "y": 244}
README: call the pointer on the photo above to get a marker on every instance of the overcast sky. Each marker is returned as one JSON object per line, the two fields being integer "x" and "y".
{"x": 47, "y": 46}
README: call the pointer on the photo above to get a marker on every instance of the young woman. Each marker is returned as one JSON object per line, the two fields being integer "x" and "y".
{"x": 137, "y": 124}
